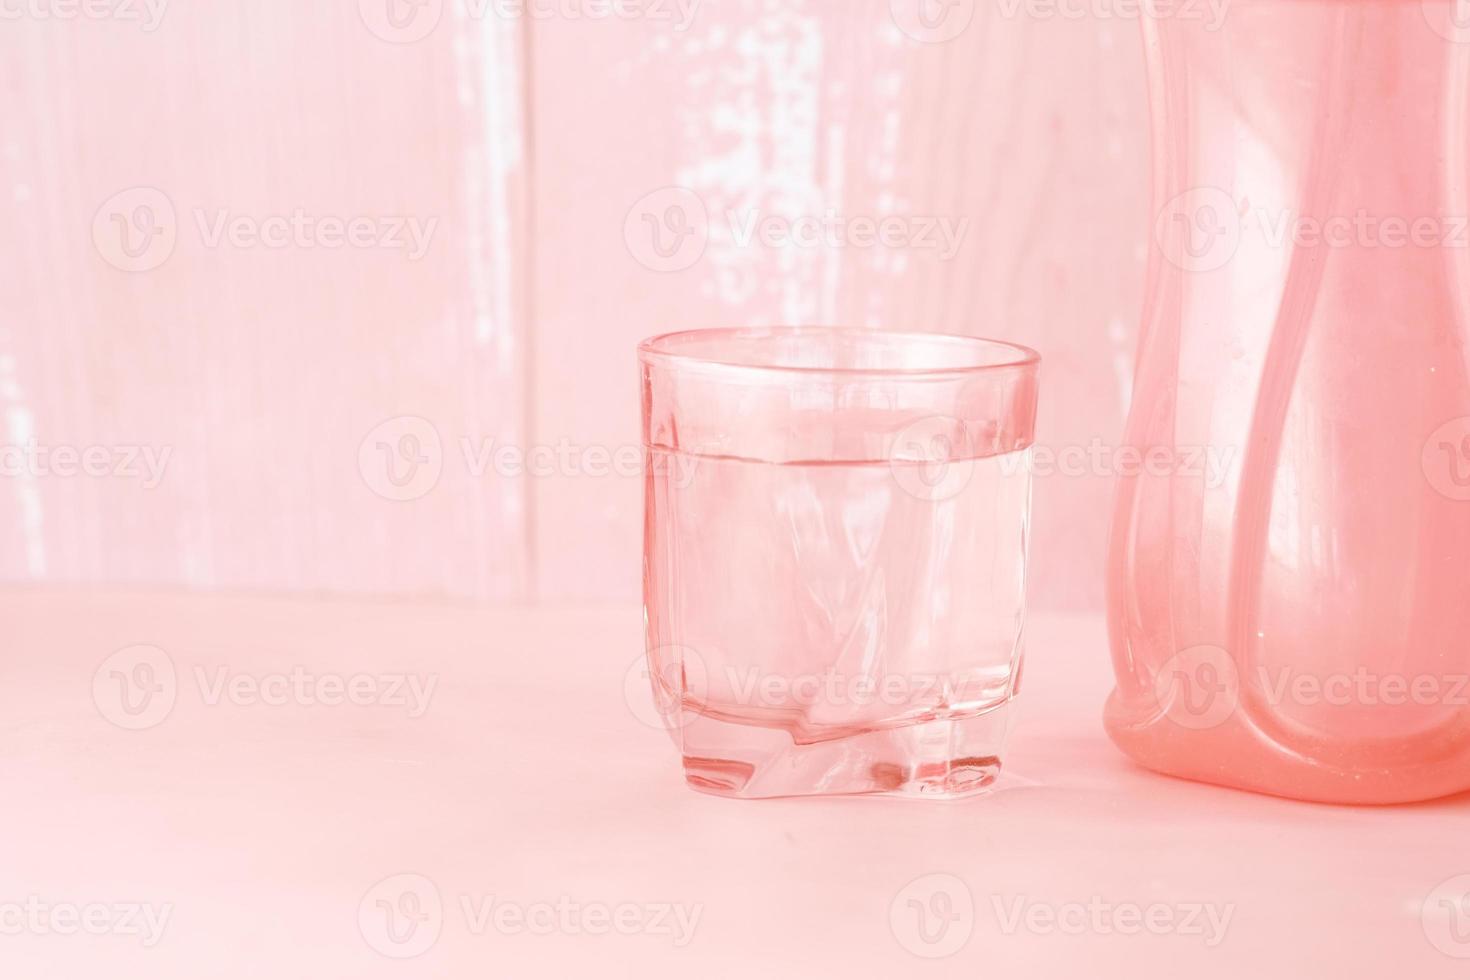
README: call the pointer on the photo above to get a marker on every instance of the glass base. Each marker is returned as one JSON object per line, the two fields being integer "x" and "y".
{"x": 944, "y": 758}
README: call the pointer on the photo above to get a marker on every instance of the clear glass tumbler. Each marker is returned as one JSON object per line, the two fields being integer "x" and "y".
{"x": 835, "y": 556}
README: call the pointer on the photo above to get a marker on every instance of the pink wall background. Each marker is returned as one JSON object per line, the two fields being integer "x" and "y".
{"x": 289, "y": 376}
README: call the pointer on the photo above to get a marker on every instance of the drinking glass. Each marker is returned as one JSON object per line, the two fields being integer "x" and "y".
{"x": 835, "y": 556}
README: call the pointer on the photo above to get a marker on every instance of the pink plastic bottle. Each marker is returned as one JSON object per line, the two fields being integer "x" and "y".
{"x": 1289, "y": 575}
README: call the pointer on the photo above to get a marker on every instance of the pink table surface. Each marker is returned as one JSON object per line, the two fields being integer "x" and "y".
{"x": 269, "y": 833}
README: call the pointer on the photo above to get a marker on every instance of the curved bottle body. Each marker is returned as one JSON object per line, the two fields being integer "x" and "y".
{"x": 1289, "y": 597}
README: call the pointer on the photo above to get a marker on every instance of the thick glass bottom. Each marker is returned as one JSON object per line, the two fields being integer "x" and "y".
{"x": 941, "y": 758}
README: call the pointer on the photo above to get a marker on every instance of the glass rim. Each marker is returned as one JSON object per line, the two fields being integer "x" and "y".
{"x": 662, "y": 349}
